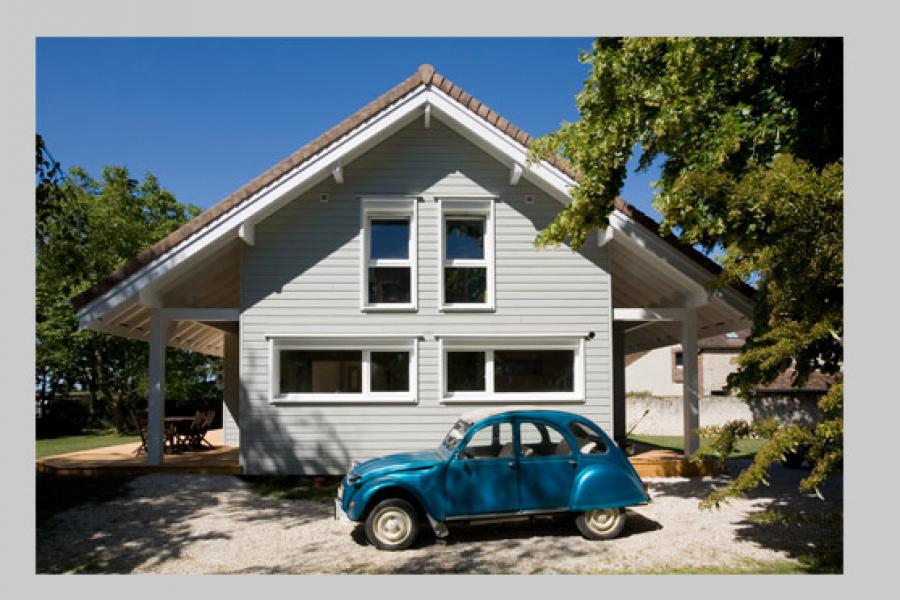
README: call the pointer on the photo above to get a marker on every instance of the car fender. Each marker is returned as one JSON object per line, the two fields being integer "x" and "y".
{"x": 605, "y": 484}
{"x": 365, "y": 494}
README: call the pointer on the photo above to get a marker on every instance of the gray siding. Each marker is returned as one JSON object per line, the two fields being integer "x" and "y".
{"x": 302, "y": 276}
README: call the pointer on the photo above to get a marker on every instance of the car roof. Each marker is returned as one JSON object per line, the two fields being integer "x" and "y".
{"x": 479, "y": 414}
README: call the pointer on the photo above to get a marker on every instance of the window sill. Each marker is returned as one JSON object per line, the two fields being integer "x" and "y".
{"x": 509, "y": 398}
{"x": 343, "y": 399}
{"x": 466, "y": 308}
{"x": 386, "y": 308}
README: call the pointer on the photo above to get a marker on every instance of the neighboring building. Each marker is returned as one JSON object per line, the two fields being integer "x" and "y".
{"x": 383, "y": 279}
{"x": 660, "y": 372}
{"x": 654, "y": 386}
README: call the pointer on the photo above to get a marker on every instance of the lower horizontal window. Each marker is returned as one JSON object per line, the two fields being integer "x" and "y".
{"x": 380, "y": 372}
{"x": 504, "y": 374}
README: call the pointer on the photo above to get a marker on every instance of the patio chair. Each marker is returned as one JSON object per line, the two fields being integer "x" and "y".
{"x": 140, "y": 423}
{"x": 196, "y": 436}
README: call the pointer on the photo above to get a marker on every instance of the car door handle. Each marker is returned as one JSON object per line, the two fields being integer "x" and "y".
{"x": 511, "y": 464}
{"x": 573, "y": 462}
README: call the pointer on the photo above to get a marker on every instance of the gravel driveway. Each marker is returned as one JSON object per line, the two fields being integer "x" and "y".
{"x": 215, "y": 524}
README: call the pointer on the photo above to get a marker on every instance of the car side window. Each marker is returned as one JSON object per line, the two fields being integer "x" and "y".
{"x": 493, "y": 441}
{"x": 589, "y": 442}
{"x": 541, "y": 439}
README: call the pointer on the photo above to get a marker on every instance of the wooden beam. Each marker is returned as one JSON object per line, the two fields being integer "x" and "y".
{"x": 605, "y": 236}
{"x": 649, "y": 314}
{"x": 337, "y": 171}
{"x": 247, "y": 232}
{"x": 201, "y": 314}
{"x": 515, "y": 173}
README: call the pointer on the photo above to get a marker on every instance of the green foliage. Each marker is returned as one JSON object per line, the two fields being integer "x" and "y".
{"x": 825, "y": 447}
{"x": 724, "y": 438}
{"x": 750, "y": 131}
{"x": 85, "y": 229}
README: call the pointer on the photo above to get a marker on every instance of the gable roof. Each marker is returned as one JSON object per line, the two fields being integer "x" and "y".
{"x": 424, "y": 76}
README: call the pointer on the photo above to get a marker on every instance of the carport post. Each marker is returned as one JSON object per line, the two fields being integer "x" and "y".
{"x": 160, "y": 331}
{"x": 690, "y": 385}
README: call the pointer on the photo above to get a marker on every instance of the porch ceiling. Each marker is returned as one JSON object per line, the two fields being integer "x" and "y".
{"x": 213, "y": 282}
{"x": 642, "y": 281}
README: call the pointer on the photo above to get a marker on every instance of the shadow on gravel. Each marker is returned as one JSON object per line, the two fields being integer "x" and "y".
{"x": 802, "y": 526}
{"x": 152, "y": 523}
{"x": 469, "y": 548}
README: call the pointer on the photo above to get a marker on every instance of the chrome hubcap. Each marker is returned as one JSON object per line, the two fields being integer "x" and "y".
{"x": 392, "y": 525}
{"x": 602, "y": 521}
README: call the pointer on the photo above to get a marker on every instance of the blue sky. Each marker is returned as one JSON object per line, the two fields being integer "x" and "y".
{"x": 206, "y": 115}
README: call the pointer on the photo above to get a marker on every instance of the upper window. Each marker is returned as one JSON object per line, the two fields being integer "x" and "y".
{"x": 512, "y": 370}
{"x": 329, "y": 370}
{"x": 467, "y": 254}
{"x": 389, "y": 248}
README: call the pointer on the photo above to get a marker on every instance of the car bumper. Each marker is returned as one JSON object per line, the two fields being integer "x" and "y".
{"x": 339, "y": 514}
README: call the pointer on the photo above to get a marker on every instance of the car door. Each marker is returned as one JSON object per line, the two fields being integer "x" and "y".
{"x": 482, "y": 477}
{"x": 547, "y": 466}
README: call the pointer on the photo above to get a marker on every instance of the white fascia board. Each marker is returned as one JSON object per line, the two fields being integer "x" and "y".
{"x": 264, "y": 202}
{"x": 501, "y": 146}
{"x": 680, "y": 264}
{"x": 649, "y": 314}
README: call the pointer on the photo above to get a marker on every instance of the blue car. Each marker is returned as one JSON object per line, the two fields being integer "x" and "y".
{"x": 495, "y": 465}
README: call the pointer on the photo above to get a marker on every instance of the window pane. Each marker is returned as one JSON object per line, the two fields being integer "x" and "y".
{"x": 493, "y": 441}
{"x": 390, "y": 238}
{"x": 465, "y": 371}
{"x": 464, "y": 238}
{"x": 321, "y": 371}
{"x": 588, "y": 441}
{"x": 390, "y": 371}
{"x": 539, "y": 439}
{"x": 534, "y": 370}
{"x": 389, "y": 285}
{"x": 465, "y": 285}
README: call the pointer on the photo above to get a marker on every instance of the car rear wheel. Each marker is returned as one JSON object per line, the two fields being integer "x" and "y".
{"x": 392, "y": 525}
{"x": 601, "y": 524}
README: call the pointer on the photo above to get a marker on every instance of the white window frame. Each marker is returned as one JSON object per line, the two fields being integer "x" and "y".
{"x": 468, "y": 207}
{"x": 366, "y": 345}
{"x": 383, "y": 207}
{"x": 489, "y": 345}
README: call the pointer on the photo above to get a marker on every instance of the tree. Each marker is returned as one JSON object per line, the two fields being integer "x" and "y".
{"x": 751, "y": 134}
{"x": 85, "y": 229}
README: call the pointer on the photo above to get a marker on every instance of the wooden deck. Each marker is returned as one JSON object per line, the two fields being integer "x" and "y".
{"x": 122, "y": 460}
{"x": 666, "y": 463}
{"x": 224, "y": 460}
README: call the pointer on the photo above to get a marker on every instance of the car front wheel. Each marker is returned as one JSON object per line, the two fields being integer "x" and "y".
{"x": 601, "y": 524}
{"x": 392, "y": 525}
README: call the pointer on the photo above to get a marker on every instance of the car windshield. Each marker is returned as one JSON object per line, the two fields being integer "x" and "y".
{"x": 456, "y": 433}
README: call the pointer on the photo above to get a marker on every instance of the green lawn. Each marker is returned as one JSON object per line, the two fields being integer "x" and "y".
{"x": 745, "y": 448}
{"x": 84, "y": 441}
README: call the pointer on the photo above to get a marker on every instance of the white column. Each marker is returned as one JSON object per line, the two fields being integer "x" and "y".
{"x": 691, "y": 390}
{"x": 160, "y": 330}
{"x": 231, "y": 389}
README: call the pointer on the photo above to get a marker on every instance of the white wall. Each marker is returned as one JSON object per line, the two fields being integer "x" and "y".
{"x": 302, "y": 276}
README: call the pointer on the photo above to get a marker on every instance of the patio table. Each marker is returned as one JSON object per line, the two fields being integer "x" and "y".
{"x": 176, "y": 428}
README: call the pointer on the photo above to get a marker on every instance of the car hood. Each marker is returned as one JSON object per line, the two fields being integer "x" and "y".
{"x": 398, "y": 462}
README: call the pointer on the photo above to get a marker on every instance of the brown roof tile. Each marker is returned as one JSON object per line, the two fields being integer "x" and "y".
{"x": 426, "y": 75}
